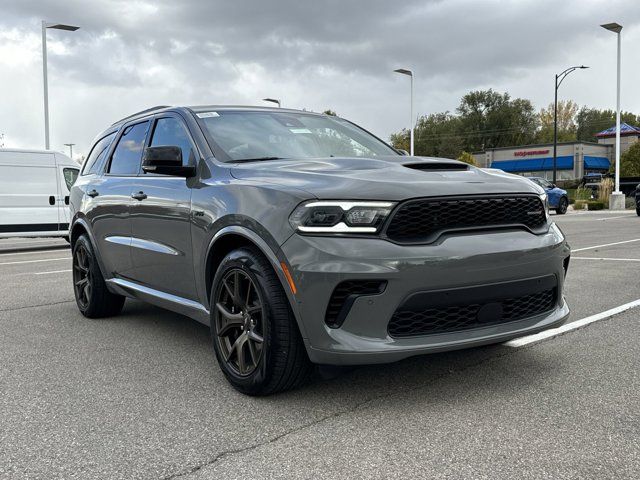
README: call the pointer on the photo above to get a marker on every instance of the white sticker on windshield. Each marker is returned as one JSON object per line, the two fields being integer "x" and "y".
{"x": 299, "y": 130}
{"x": 207, "y": 114}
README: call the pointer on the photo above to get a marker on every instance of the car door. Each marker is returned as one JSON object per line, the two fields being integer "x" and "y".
{"x": 110, "y": 197}
{"x": 161, "y": 217}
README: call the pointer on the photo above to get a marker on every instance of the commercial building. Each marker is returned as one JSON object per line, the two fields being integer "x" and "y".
{"x": 573, "y": 159}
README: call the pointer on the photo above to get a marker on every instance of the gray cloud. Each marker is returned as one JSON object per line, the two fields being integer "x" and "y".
{"x": 321, "y": 54}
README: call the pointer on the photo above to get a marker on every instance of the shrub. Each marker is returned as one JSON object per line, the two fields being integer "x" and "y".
{"x": 596, "y": 205}
{"x": 583, "y": 194}
{"x": 579, "y": 204}
{"x": 604, "y": 189}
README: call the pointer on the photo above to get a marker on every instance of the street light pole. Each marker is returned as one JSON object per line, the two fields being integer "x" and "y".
{"x": 616, "y": 201}
{"x": 70, "y": 145}
{"x": 57, "y": 26}
{"x": 404, "y": 71}
{"x": 561, "y": 77}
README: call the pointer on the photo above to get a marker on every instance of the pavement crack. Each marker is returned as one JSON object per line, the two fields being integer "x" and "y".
{"x": 358, "y": 406}
{"x": 35, "y": 306}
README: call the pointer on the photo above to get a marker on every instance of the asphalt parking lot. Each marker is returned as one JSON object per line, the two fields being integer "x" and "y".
{"x": 139, "y": 395}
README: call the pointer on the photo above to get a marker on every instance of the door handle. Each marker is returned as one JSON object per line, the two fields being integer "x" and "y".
{"x": 139, "y": 195}
{"x": 93, "y": 193}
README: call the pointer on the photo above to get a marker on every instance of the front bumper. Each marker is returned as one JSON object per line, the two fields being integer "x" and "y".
{"x": 318, "y": 264}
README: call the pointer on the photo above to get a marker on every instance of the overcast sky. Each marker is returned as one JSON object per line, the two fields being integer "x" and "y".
{"x": 317, "y": 54}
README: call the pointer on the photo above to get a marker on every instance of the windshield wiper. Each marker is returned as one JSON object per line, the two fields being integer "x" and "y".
{"x": 257, "y": 159}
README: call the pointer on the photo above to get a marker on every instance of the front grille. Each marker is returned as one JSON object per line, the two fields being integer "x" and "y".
{"x": 345, "y": 294}
{"x": 418, "y": 316}
{"x": 423, "y": 220}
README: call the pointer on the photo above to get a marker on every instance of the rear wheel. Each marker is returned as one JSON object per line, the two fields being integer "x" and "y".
{"x": 92, "y": 297}
{"x": 563, "y": 204}
{"x": 638, "y": 211}
{"x": 254, "y": 333}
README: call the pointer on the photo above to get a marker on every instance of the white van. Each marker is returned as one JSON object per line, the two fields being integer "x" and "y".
{"x": 34, "y": 192}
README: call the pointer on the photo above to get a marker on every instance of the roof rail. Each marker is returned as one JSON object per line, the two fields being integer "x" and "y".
{"x": 140, "y": 113}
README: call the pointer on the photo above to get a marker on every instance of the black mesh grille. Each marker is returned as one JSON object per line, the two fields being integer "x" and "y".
{"x": 344, "y": 295}
{"x": 410, "y": 322}
{"x": 423, "y": 220}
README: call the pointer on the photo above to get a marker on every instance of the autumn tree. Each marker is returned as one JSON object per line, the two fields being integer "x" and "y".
{"x": 466, "y": 157}
{"x": 567, "y": 111}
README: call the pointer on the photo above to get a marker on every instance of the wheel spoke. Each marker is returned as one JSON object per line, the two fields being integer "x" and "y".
{"x": 255, "y": 337}
{"x": 81, "y": 282}
{"x": 255, "y": 356}
{"x": 227, "y": 320}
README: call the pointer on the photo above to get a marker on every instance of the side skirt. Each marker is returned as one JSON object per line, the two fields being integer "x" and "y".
{"x": 180, "y": 305}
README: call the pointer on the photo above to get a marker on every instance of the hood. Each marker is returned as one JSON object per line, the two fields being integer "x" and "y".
{"x": 391, "y": 178}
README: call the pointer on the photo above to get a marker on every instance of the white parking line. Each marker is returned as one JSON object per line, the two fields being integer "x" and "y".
{"x": 554, "y": 332}
{"x": 607, "y": 259}
{"x": 604, "y": 245}
{"x": 54, "y": 271}
{"x": 36, "y": 261}
{"x": 30, "y": 253}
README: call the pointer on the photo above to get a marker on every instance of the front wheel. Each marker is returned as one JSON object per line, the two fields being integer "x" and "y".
{"x": 563, "y": 204}
{"x": 92, "y": 297}
{"x": 255, "y": 335}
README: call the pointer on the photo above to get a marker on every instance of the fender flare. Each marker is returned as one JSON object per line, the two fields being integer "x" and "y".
{"x": 85, "y": 225}
{"x": 274, "y": 257}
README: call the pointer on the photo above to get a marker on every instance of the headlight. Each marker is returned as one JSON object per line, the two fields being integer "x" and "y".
{"x": 545, "y": 202}
{"x": 340, "y": 216}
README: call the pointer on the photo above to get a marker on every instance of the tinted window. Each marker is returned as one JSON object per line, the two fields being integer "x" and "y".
{"x": 171, "y": 132}
{"x": 98, "y": 152}
{"x": 70, "y": 175}
{"x": 128, "y": 153}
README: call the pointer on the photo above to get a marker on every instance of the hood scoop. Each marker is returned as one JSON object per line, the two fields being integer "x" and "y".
{"x": 438, "y": 166}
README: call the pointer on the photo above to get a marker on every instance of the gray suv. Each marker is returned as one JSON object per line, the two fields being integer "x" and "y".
{"x": 303, "y": 239}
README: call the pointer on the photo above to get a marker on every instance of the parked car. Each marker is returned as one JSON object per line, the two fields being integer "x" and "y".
{"x": 302, "y": 239}
{"x": 34, "y": 192}
{"x": 637, "y": 197}
{"x": 558, "y": 198}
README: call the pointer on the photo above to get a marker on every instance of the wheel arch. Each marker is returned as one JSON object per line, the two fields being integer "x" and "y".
{"x": 233, "y": 237}
{"x": 81, "y": 226}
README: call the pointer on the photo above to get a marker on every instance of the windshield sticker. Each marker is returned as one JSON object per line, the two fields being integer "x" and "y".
{"x": 207, "y": 114}
{"x": 299, "y": 130}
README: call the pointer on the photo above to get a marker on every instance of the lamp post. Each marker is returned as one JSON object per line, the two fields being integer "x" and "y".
{"x": 57, "y": 26}
{"x": 70, "y": 145}
{"x": 272, "y": 100}
{"x": 404, "y": 71}
{"x": 616, "y": 195}
{"x": 559, "y": 78}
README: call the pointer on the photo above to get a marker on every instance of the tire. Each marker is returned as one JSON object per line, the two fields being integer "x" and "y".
{"x": 638, "y": 211}
{"x": 255, "y": 335}
{"x": 93, "y": 298}
{"x": 563, "y": 204}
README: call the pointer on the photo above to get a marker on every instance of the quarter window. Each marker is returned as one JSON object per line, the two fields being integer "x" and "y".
{"x": 127, "y": 156}
{"x": 171, "y": 132}
{"x": 70, "y": 175}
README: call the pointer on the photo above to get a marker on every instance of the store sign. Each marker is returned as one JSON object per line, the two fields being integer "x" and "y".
{"x": 527, "y": 153}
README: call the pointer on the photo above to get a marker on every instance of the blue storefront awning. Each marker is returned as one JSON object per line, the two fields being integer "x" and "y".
{"x": 596, "y": 163}
{"x": 535, "y": 164}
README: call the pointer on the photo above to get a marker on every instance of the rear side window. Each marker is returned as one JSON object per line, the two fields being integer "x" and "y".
{"x": 171, "y": 132}
{"x": 127, "y": 156}
{"x": 70, "y": 175}
{"x": 98, "y": 153}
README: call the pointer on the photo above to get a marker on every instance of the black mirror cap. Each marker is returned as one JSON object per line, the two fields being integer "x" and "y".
{"x": 166, "y": 160}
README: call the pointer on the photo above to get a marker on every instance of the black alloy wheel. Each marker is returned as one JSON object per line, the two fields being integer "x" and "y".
{"x": 82, "y": 276}
{"x": 239, "y": 314}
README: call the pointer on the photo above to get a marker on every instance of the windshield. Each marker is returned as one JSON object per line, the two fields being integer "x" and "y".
{"x": 268, "y": 135}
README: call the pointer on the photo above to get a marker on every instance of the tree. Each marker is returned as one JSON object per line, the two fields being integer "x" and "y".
{"x": 466, "y": 157}
{"x": 328, "y": 111}
{"x": 567, "y": 111}
{"x": 592, "y": 120}
{"x": 490, "y": 119}
{"x": 630, "y": 162}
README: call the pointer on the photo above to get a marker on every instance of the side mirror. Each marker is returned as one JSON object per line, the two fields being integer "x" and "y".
{"x": 166, "y": 161}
